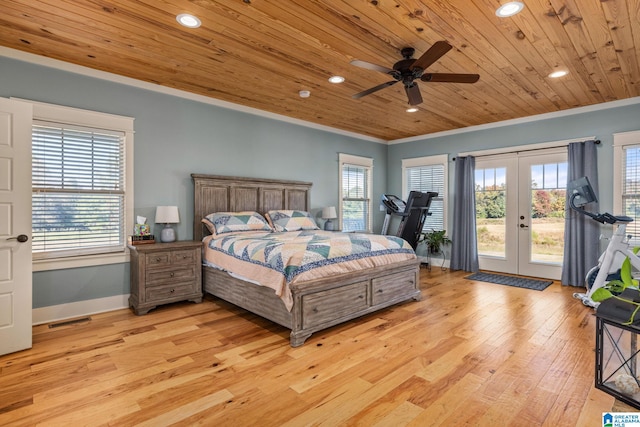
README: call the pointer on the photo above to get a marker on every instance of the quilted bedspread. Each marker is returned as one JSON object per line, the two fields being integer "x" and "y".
{"x": 279, "y": 259}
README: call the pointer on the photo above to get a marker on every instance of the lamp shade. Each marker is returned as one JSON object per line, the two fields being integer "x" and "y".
{"x": 329, "y": 212}
{"x": 167, "y": 215}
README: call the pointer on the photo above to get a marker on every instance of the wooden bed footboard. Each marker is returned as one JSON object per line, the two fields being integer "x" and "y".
{"x": 320, "y": 304}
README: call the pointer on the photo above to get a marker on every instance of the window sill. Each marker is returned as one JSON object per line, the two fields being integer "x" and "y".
{"x": 80, "y": 261}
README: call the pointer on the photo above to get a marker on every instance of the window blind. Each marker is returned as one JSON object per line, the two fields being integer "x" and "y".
{"x": 78, "y": 190}
{"x": 631, "y": 189}
{"x": 429, "y": 178}
{"x": 355, "y": 198}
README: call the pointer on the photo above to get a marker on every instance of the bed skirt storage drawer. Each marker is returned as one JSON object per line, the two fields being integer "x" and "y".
{"x": 324, "y": 306}
{"x": 164, "y": 293}
{"x": 388, "y": 288}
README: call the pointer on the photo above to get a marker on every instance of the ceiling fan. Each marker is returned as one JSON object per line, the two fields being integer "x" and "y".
{"x": 408, "y": 69}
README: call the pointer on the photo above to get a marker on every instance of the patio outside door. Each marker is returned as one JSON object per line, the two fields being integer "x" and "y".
{"x": 520, "y": 206}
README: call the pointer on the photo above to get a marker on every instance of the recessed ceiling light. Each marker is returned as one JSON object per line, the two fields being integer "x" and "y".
{"x": 509, "y": 9}
{"x": 412, "y": 110}
{"x": 336, "y": 79}
{"x": 304, "y": 94}
{"x": 188, "y": 20}
{"x": 558, "y": 73}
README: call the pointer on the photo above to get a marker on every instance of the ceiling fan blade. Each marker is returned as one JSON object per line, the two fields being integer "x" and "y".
{"x": 450, "y": 78}
{"x": 432, "y": 55}
{"x": 413, "y": 93}
{"x": 370, "y": 66}
{"x": 373, "y": 89}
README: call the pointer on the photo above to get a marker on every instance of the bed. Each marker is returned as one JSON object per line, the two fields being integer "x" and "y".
{"x": 315, "y": 304}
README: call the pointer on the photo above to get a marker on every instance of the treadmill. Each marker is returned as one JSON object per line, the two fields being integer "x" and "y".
{"x": 413, "y": 214}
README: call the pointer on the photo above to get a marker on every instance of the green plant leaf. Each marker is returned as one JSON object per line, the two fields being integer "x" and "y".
{"x": 601, "y": 294}
{"x": 616, "y": 286}
{"x": 626, "y": 270}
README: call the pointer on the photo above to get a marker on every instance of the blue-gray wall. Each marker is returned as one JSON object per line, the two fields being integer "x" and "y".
{"x": 602, "y": 124}
{"x": 175, "y": 137}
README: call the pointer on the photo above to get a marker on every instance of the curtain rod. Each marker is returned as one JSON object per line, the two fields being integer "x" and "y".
{"x": 596, "y": 141}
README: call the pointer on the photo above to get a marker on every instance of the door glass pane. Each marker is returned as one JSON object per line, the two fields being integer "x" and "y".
{"x": 548, "y": 189}
{"x": 491, "y": 211}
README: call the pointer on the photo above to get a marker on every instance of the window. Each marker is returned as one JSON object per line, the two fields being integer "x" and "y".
{"x": 626, "y": 181}
{"x": 355, "y": 187}
{"x": 428, "y": 174}
{"x": 82, "y": 198}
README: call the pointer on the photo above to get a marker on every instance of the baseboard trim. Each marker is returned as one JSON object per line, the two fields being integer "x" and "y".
{"x": 55, "y": 313}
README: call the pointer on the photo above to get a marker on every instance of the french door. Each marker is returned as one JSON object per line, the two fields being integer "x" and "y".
{"x": 520, "y": 207}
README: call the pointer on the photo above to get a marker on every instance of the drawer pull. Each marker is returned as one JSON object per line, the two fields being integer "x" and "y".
{"x": 171, "y": 274}
{"x": 172, "y": 290}
{"x": 184, "y": 257}
{"x": 158, "y": 259}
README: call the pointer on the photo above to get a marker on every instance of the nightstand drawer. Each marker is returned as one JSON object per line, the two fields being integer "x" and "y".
{"x": 183, "y": 257}
{"x": 158, "y": 259}
{"x": 162, "y": 293}
{"x": 160, "y": 277}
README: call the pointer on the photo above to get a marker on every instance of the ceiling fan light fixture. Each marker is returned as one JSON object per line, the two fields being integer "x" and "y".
{"x": 336, "y": 79}
{"x": 412, "y": 110}
{"x": 558, "y": 73}
{"x": 188, "y": 20}
{"x": 509, "y": 9}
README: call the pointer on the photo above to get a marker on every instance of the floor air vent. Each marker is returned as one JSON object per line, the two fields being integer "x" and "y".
{"x": 69, "y": 322}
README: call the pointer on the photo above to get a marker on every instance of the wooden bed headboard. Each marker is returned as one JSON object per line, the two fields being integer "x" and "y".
{"x": 214, "y": 193}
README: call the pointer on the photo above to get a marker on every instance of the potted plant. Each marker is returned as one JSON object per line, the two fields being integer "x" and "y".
{"x": 434, "y": 240}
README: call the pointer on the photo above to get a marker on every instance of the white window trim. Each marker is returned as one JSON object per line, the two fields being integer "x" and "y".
{"x": 439, "y": 159}
{"x": 349, "y": 159}
{"x": 62, "y": 114}
{"x": 620, "y": 141}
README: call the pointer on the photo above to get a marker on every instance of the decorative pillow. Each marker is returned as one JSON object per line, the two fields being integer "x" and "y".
{"x": 291, "y": 220}
{"x": 228, "y": 222}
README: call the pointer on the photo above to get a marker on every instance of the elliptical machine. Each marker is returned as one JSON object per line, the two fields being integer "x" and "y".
{"x": 413, "y": 214}
{"x": 617, "y": 250}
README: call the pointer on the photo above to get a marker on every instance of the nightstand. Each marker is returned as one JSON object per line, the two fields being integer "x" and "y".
{"x": 165, "y": 272}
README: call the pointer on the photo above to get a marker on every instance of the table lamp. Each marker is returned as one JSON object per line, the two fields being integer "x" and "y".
{"x": 167, "y": 215}
{"x": 329, "y": 213}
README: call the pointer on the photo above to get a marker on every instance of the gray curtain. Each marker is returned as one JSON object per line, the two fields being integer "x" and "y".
{"x": 464, "y": 246}
{"x": 581, "y": 233}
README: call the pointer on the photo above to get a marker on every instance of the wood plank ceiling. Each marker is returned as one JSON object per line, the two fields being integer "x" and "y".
{"x": 261, "y": 53}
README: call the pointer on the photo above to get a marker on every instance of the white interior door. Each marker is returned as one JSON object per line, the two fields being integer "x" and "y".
{"x": 520, "y": 212}
{"x": 15, "y": 226}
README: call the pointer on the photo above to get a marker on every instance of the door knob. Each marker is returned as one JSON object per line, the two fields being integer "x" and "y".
{"x": 21, "y": 238}
{"x": 524, "y": 226}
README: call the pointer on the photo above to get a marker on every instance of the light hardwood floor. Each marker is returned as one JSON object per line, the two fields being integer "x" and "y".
{"x": 469, "y": 353}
